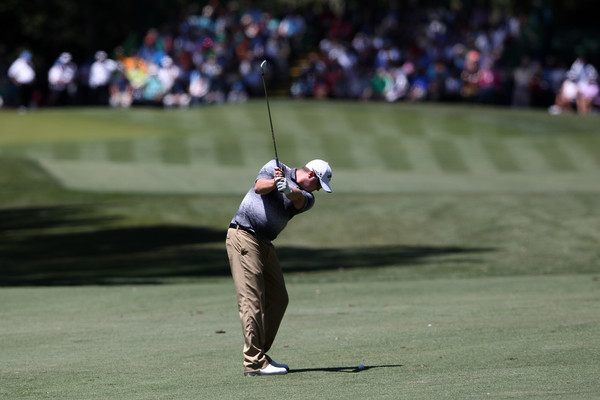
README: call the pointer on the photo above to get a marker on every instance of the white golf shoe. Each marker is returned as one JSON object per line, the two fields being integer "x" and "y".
{"x": 278, "y": 365}
{"x": 268, "y": 370}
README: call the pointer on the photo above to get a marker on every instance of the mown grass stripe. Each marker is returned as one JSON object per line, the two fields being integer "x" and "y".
{"x": 358, "y": 122}
{"x": 174, "y": 150}
{"x": 228, "y": 151}
{"x": 307, "y": 142}
{"x": 258, "y": 148}
{"x": 120, "y": 151}
{"x": 443, "y": 125}
{"x": 420, "y": 156}
{"x": 389, "y": 122}
{"x": 415, "y": 126}
{"x": 222, "y": 179}
{"x": 39, "y": 151}
{"x": 339, "y": 150}
{"x": 200, "y": 149}
{"x": 288, "y": 149}
{"x": 93, "y": 151}
{"x": 554, "y": 156}
{"x": 362, "y": 132}
{"x": 326, "y": 121}
{"x": 393, "y": 153}
{"x": 500, "y": 156}
{"x": 454, "y": 124}
{"x": 365, "y": 152}
{"x": 147, "y": 150}
{"x": 254, "y": 116}
{"x": 581, "y": 159}
{"x": 448, "y": 156}
{"x": 474, "y": 155}
{"x": 591, "y": 145}
{"x": 66, "y": 151}
{"x": 332, "y": 135}
{"x": 526, "y": 156}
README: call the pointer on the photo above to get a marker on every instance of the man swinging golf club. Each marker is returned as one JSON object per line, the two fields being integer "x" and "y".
{"x": 279, "y": 193}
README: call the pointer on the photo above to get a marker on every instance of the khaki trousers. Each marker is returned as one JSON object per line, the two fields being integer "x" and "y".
{"x": 261, "y": 294}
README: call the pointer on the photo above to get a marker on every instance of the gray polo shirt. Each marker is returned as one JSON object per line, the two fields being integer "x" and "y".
{"x": 267, "y": 215}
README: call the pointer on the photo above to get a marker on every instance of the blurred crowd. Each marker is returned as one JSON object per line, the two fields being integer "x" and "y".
{"x": 212, "y": 55}
{"x": 479, "y": 55}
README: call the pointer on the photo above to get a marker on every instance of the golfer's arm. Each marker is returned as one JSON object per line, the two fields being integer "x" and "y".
{"x": 297, "y": 197}
{"x": 264, "y": 186}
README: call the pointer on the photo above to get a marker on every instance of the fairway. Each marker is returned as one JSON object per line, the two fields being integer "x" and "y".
{"x": 418, "y": 340}
{"x": 458, "y": 256}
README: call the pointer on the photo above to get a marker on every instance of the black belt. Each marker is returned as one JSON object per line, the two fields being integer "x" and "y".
{"x": 243, "y": 228}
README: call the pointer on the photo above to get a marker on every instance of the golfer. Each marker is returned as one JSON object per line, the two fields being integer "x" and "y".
{"x": 278, "y": 194}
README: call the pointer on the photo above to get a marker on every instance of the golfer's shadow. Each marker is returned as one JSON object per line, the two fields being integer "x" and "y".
{"x": 347, "y": 370}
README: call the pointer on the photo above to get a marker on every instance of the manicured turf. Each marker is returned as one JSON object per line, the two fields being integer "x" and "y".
{"x": 483, "y": 223}
{"x": 524, "y": 337}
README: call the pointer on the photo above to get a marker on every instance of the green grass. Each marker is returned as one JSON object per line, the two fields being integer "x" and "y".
{"x": 458, "y": 257}
{"x": 530, "y": 337}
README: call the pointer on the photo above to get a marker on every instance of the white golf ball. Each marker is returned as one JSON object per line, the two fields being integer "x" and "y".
{"x": 361, "y": 367}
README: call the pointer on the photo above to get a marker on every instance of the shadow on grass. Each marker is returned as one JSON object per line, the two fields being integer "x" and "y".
{"x": 347, "y": 370}
{"x": 71, "y": 246}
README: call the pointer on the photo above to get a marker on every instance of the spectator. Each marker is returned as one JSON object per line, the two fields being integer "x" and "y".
{"x": 121, "y": 91}
{"x": 587, "y": 91}
{"x": 489, "y": 84}
{"x": 152, "y": 50}
{"x": 168, "y": 73}
{"x": 249, "y": 69}
{"x": 418, "y": 90}
{"x": 22, "y": 75}
{"x": 470, "y": 76}
{"x": 153, "y": 90}
{"x": 61, "y": 80}
{"x": 381, "y": 84}
{"x": 216, "y": 90}
{"x": 523, "y": 76}
{"x": 586, "y": 78}
{"x": 437, "y": 73}
{"x": 199, "y": 86}
{"x": 292, "y": 27}
{"x": 579, "y": 89}
{"x": 566, "y": 97}
{"x": 99, "y": 80}
{"x": 136, "y": 72}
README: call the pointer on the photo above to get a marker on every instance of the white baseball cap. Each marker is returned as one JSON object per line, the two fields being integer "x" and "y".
{"x": 323, "y": 171}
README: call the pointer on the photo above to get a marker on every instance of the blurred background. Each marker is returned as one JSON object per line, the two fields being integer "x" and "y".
{"x": 180, "y": 53}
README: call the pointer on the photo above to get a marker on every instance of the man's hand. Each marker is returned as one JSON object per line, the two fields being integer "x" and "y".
{"x": 282, "y": 185}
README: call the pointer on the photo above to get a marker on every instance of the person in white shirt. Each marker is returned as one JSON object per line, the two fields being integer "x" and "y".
{"x": 168, "y": 73}
{"x": 579, "y": 90}
{"x": 22, "y": 75}
{"x": 61, "y": 80}
{"x": 100, "y": 75}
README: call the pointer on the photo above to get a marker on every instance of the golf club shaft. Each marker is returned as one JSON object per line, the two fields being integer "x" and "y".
{"x": 269, "y": 110}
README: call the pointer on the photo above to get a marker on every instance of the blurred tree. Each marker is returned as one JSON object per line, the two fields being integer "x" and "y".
{"x": 48, "y": 27}
{"x": 81, "y": 27}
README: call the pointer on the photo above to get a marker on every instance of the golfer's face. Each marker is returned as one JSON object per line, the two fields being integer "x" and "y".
{"x": 313, "y": 182}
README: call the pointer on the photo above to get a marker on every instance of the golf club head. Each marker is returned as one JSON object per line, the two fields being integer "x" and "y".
{"x": 262, "y": 66}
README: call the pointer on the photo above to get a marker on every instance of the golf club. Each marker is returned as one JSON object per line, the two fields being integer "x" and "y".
{"x": 262, "y": 71}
